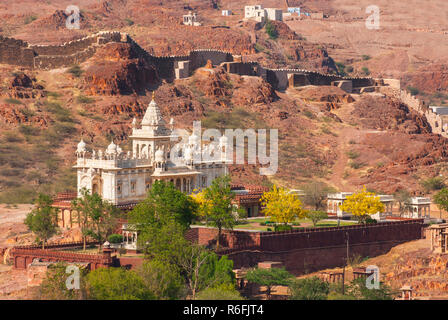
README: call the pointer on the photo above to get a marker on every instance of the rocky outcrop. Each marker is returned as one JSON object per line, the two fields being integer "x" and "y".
{"x": 394, "y": 116}
{"x": 116, "y": 69}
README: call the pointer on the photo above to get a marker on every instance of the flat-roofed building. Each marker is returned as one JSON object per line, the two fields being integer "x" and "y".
{"x": 335, "y": 201}
{"x": 418, "y": 208}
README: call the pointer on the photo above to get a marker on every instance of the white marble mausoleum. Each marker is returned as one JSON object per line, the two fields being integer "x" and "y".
{"x": 125, "y": 177}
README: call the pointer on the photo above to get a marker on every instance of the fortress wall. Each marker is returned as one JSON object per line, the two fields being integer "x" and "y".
{"x": 76, "y": 46}
{"x": 52, "y": 62}
{"x": 435, "y": 121}
{"x": 312, "y": 249}
{"x": 199, "y": 58}
{"x": 240, "y": 68}
{"x": 16, "y": 52}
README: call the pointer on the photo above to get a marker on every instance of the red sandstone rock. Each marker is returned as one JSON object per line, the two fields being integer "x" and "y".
{"x": 116, "y": 69}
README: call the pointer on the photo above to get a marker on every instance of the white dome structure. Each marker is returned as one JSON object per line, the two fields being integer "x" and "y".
{"x": 112, "y": 148}
{"x": 81, "y": 146}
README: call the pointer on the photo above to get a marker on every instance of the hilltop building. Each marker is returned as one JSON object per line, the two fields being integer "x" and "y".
{"x": 125, "y": 177}
{"x": 190, "y": 19}
{"x": 260, "y": 14}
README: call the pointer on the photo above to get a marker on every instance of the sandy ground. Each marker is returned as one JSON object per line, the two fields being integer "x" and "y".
{"x": 11, "y": 222}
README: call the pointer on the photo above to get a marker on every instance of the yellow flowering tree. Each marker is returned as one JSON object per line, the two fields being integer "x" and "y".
{"x": 202, "y": 203}
{"x": 283, "y": 207}
{"x": 362, "y": 205}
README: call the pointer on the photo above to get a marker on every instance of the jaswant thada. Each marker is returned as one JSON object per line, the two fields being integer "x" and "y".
{"x": 125, "y": 177}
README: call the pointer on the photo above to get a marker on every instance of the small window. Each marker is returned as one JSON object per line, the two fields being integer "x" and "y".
{"x": 133, "y": 186}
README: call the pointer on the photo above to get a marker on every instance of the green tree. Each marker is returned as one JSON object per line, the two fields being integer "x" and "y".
{"x": 202, "y": 269}
{"x": 218, "y": 208}
{"x": 269, "y": 278}
{"x": 309, "y": 289}
{"x": 441, "y": 199}
{"x": 117, "y": 284}
{"x": 164, "y": 202}
{"x": 164, "y": 280}
{"x": 97, "y": 217}
{"x": 42, "y": 220}
{"x": 83, "y": 206}
{"x": 316, "y": 216}
{"x": 271, "y": 30}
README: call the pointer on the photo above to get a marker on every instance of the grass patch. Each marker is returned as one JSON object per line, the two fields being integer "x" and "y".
{"x": 75, "y": 71}
{"x": 352, "y": 154}
{"x": 12, "y": 101}
{"x": 84, "y": 100}
{"x": 356, "y": 164}
{"x": 61, "y": 114}
{"x": 30, "y": 19}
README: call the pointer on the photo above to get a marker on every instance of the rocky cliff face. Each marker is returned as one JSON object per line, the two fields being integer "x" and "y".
{"x": 116, "y": 69}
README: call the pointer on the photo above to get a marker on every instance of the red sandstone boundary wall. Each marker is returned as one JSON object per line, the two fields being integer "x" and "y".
{"x": 311, "y": 249}
{"x": 23, "y": 256}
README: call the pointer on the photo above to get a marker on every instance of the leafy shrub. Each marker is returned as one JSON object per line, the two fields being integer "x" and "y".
{"x": 129, "y": 22}
{"x": 282, "y": 227}
{"x": 356, "y": 164}
{"x": 271, "y": 30}
{"x": 308, "y": 114}
{"x": 76, "y": 71}
{"x": 366, "y": 57}
{"x": 309, "y": 289}
{"x": 115, "y": 238}
{"x": 413, "y": 91}
{"x": 30, "y": 19}
{"x": 366, "y": 71}
{"x": 341, "y": 68}
{"x": 352, "y": 154}
{"x": 432, "y": 184}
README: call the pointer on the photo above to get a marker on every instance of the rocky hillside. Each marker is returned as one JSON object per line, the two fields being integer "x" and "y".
{"x": 344, "y": 140}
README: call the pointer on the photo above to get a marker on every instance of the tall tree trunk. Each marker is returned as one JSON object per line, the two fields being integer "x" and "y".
{"x": 84, "y": 240}
{"x": 217, "y": 240}
{"x": 43, "y": 244}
